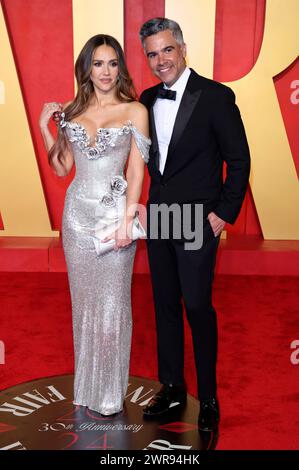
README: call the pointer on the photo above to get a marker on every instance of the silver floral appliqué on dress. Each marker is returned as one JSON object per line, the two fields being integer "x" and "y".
{"x": 105, "y": 138}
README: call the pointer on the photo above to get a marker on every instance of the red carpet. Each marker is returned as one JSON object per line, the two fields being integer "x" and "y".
{"x": 258, "y": 319}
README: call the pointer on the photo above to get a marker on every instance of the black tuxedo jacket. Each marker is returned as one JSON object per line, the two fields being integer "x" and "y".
{"x": 208, "y": 130}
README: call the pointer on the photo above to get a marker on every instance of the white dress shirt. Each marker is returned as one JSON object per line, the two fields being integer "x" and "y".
{"x": 165, "y": 112}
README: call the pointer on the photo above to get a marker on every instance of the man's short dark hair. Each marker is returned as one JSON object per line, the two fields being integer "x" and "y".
{"x": 156, "y": 25}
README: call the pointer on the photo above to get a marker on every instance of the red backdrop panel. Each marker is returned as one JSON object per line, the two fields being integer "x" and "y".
{"x": 287, "y": 89}
{"x": 136, "y": 13}
{"x": 238, "y": 39}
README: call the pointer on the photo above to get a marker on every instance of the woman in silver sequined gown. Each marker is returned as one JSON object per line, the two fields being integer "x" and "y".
{"x": 100, "y": 285}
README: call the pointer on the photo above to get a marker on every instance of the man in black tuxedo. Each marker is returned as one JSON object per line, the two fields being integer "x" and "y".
{"x": 195, "y": 127}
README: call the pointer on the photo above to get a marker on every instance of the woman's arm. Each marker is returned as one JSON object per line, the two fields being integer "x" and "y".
{"x": 135, "y": 170}
{"x": 61, "y": 169}
{"x": 134, "y": 177}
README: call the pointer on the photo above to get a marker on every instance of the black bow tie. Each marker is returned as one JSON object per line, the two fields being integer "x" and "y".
{"x": 164, "y": 93}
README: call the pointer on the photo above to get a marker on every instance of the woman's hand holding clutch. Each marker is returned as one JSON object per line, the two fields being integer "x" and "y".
{"x": 122, "y": 236}
{"x": 119, "y": 238}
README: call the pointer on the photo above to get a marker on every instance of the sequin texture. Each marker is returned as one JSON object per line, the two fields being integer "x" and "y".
{"x": 100, "y": 286}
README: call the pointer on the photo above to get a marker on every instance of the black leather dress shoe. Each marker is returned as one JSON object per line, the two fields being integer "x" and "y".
{"x": 169, "y": 397}
{"x": 208, "y": 419}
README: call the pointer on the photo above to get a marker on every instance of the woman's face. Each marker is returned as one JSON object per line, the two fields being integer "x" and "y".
{"x": 104, "y": 71}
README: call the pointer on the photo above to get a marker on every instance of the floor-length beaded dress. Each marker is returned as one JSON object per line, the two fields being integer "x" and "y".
{"x": 100, "y": 285}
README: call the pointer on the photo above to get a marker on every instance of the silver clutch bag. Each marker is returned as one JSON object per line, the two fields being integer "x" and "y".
{"x": 101, "y": 247}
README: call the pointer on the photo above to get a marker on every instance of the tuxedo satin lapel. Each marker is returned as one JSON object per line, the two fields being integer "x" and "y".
{"x": 187, "y": 105}
{"x": 155, "y": 146}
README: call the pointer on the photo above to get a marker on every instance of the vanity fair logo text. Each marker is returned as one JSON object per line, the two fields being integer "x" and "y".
{"x": 43, "y": 412}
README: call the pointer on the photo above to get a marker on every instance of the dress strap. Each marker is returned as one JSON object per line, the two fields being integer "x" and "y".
{"x": 143, "y": 143}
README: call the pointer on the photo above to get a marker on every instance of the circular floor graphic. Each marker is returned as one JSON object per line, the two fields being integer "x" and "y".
{"x": 40, "y": 415}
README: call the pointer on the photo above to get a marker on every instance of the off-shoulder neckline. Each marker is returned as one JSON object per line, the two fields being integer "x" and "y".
{"x": 128, "y": 124}
{"x": 76, "y": 123}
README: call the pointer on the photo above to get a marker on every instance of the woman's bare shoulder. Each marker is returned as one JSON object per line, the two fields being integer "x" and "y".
{"x": 137, "y": 109}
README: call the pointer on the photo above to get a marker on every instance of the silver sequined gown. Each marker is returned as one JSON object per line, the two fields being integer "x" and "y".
{"x": 100, "y": 286}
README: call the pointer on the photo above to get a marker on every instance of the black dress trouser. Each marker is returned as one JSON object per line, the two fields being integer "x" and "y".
{"x": 178, "y": 274}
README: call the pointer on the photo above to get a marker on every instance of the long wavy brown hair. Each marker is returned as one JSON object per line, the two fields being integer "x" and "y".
{"x": 125, "y": 90}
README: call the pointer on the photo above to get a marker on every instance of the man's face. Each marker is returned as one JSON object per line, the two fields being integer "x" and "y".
{"x": 166, "y": 58}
